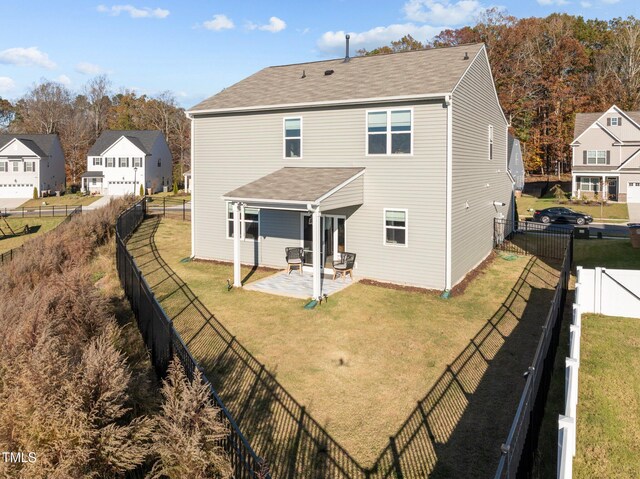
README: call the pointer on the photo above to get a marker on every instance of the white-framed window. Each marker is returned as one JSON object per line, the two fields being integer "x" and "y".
{"x": 16, "y": 166}
{"x": 249, "y": 223}
{"x": 4, "y": 167}
{"x": 123, "y": 162}
{"x": 97, "y": 161}
{"x": 590, "y": 183}
{"x": 389, "y": 132}
{"x": 94, "y": 181}
{"x": 137, "y": 162}
{"x": 395, "y": 227}
{"x": 293, "y": 137}
{"x": 110, "y": 162}
{"x": 29, "y": 166}
{"x": 490, "y": 142}
{"x": 596, "y": 157}
{"x": 614, "y": 121}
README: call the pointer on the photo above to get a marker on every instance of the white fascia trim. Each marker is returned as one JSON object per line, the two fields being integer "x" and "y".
{"x": 449, "y": 194}
{"x": 599, "y": 125}
{"x": 271, "y": 201}
{"x": 340, "y": 186}
{"x": 619, "y": 168}
{"x": 615, "y": 108}
{"x": 595, "y": 173}
{"x": 288, "y": 106}
{"x": 118, "y": 141}
{"x": 35, "y": 156}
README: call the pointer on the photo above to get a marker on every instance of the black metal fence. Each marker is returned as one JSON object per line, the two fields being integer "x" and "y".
{"x": 518, "y": 450}
{"x": 163, "y": 341}
{"x": 170, "y": 206}
{"x": 527, "y": 237}
{"x": 46, "y": 211}
{"x": 8, "y": 255}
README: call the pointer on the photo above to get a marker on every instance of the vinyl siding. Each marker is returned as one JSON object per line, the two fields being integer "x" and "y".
{"x": 232, "y": 150}
{"x": 350, "y": 195}
{"x": 477, "y": 180}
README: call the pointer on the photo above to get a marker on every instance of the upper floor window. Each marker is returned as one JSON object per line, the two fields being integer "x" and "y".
{"x": 4, "y": 167}
{"x": 249, "y": 222}
{"x": 29, "y": 166}
{"x": 389, "y": 132}
{"x": 491, "y": 142}
{"x": 293, "y": 137}
{"x": 16, "y": 166}
{"x": 123, "y": 162}
{"x": 596, "y": 157}
{"x": 97, "y": 161}
{"x": 614, "y": 121}
{"x": 137, "y": 162}
{"x": 110, "y": 162}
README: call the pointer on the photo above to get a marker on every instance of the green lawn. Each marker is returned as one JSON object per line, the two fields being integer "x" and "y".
{"x": 608, "y": 415}
{"x": 606, "y": 253}
{"x": 170, "y": 196}
{"x": 64, "y": 200}
{"x": 361, "y": 361}
{"x": 612, "y": 211}
{"x": 38, "y": 226}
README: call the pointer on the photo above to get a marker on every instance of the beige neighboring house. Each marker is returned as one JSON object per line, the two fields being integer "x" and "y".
{"x": 606, "y": 155}
{"x": 399, "y": 158}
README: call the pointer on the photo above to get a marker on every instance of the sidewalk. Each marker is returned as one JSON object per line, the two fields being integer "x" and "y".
{"x": 104, "y": 201}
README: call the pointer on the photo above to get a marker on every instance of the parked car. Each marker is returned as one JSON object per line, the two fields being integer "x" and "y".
{"x": 561, "y": 215}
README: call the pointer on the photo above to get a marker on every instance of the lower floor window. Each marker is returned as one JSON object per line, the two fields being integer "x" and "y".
{"x": 249, "y": 221}
{"x": 590, "y": 184}
{"x": 395, "y": 227}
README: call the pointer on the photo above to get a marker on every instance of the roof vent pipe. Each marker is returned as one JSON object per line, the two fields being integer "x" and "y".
{"x": 466, "y": 56}
{"x": 346, "y": 55}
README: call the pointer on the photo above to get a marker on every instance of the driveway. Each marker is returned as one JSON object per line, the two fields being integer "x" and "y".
{"x": 11, "y": 203}
{"x": 105, "y": 200}
{"x": 634, "y": 212}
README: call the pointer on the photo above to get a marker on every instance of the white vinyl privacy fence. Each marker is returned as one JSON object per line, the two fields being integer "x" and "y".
{"x": 613, "y": 292}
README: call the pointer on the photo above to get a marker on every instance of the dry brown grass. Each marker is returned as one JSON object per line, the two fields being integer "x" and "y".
{"x": 361, "y": 361}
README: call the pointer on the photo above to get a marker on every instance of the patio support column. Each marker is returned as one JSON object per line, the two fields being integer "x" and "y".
{"x": 605, "y": 189}
{"x": 237, "y": 282}
{"x": 317, "y": 257}
{"x": 574, "y": 186}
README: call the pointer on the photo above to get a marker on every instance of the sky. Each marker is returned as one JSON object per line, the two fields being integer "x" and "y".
{"x": 195, "y": 48}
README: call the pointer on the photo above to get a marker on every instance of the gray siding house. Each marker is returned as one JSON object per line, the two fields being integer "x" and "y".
{"x": 606, "y": 155}
{"x": 516, "y": 163}
{"x": 399, "y": 158}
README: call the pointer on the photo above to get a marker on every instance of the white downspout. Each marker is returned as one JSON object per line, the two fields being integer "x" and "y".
{"x": 317, "y": 257}
{"x": 447, "y": 279}
{"x": 193, "y": 165}
{"x": 237, "y": 281}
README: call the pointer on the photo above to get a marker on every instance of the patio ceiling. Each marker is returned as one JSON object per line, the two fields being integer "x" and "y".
{"x": 301, "y": 187}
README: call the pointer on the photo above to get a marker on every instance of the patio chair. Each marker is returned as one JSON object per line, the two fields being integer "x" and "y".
{"x": 295, "y": 258}
{"x": 343, "y": 265}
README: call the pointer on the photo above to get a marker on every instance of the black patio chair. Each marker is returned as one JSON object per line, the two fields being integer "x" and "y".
{"x": 344, "y": 265}
{"x": 295, "y": 258}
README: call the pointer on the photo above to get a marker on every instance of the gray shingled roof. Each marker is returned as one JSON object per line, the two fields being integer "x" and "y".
{"x": 41, "y": 145}
{"x": 420, "y": 72}
{"x": 93, "y": 174}
{"x": 585, "y": 120}
{"x": 295, "y": 184}
{"x": 143, "y": 139}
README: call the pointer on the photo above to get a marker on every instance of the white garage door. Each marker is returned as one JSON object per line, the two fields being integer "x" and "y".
{"x": 120, "y": 188}
{"x": 16, "y": 190}
{"x": 633, "y": 192}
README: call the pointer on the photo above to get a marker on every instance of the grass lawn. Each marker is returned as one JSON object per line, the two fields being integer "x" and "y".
{"x": 612, "y": 211}
{"x": 606, "y": 253}
{"x": 608, "y": 415}
{"x": 38, "y": 226}
{"x": 64, "y": 200}
{"x": 170, "y": 196}
{"x": 359, "y": 362}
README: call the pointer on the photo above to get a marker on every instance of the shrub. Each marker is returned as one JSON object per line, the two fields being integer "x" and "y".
{"x": 35, "y": 192}
{"x": 559, "y": 194}
{"x": 141, "y": 190}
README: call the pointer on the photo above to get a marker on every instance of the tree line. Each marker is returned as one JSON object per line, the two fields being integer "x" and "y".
{"x": 80, "y": 117}
{"x": 548, "y": 69}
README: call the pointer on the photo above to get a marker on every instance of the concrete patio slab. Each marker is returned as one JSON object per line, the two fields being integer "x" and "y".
{"x": 295, "y": 285}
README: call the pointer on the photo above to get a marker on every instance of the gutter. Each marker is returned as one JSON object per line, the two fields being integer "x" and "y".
{"x": 449, "y": 200}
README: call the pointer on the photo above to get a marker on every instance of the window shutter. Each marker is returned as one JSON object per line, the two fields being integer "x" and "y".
{"x": 608, "y": 157}
{"x": 608, "y": 121}
{"x": 584, "y": 157}
{"x": 619, "y": 121}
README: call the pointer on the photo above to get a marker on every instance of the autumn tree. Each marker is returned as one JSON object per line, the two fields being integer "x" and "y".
{"x": 43, "y": 109}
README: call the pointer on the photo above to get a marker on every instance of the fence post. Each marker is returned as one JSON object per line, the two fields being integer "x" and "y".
{"x": 164, "y": 206}
{"x": 184, "y": 208}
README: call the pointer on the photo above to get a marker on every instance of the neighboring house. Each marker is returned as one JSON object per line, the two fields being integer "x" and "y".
{"x": 516, "y": 164}
{"x": 606, "y": 155}
{"x": 399, "y": 158}
{"x": 120, "y": 161}
{"x": 187, "y": 182}
{"x": 30, "y": 161}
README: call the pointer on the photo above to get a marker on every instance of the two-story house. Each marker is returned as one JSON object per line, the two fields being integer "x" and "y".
{"x": 120, "y": 161}
{"x": 606, "y": 155}
{"x": 399, "y": 158}
{"x": 28, "y": 162}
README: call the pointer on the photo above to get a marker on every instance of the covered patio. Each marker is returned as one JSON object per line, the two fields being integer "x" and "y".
{"x": 310, "y": 191}
{"x": 294, "y": 285}
{"x": 92, "y": 182}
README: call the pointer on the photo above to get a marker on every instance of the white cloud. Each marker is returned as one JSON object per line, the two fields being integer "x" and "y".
{"x": 64, "y": 79}
{"x": 275, "y": 25}
{"x": 87, "y": 68}
{"x": 134, "y": 12}
{"x": 334, "y": 42}
{"x": 585, "y": 4}
{"x": 31, "y": 56}
{"x": 442, "y": 12}
{"x": 219, "y": 22}
{"x": 6, "y": 84}
{"x": 552, "y": 2}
